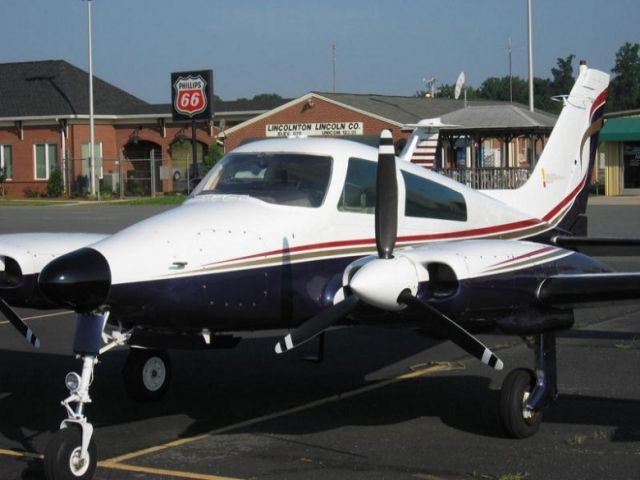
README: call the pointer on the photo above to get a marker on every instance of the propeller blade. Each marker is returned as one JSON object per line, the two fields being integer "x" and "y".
{"x": 455, "y": 332}
{"x": 316, "y": 325}
{"x": 386, "y": 215}
{"x": 17, "y": 322}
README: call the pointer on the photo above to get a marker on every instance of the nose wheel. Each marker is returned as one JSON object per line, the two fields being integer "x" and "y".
{"x": 146, "y": 374}
{"x": 64, "y": 459}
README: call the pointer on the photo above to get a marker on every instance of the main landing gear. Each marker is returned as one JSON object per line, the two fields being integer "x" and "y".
{"x": 146, "y": 374}
{"x": 526, "y": 393}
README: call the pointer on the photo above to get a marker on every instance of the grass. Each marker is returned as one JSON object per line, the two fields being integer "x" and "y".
{"x": 504, "y": 476}
{"x": 33, "y": 203}
{"x": 625, "y": 345}
{"x": 164, "y": 200}
{"x": 578, "y": 440}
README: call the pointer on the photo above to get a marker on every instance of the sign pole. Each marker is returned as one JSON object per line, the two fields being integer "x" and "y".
{"x": 191, "y": 96}
{"x": 194, "y": 152}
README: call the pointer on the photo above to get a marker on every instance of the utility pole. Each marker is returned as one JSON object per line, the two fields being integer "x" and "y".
{"x": 530, "y": 56}
{"x": 333, "y": 59}
{"x": 510, "y": 75}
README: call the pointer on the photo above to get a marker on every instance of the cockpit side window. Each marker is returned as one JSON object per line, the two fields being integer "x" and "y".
{"x": 359, "y": 190}
{"x": 428, "y": 199}
{"x": 290, "y": 179}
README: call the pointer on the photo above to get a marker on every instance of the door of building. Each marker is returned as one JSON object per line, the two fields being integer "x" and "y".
{"x": 631, "y": 168}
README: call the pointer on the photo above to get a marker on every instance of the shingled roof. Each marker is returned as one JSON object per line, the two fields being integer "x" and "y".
{"x": 478, "y": 114}
{"x": 55, "y": 87}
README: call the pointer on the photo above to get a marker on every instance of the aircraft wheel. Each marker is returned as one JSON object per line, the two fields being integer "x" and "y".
{"x": 62, "y": 457}
{"x": 517, "y": 421}
{"x": 147, "y": 374}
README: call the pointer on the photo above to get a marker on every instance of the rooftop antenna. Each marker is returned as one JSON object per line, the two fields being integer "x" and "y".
{"x": 430, "y": 85}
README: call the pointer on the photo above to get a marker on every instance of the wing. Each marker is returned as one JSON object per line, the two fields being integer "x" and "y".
{"x": 589, "y": 289}
{"x": 600, "y": 246}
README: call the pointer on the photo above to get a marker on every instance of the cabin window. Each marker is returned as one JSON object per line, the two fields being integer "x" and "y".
{"x": 359, "y": 191}
{"x": 292, "y": 179}
{"x": 429, "y": 199}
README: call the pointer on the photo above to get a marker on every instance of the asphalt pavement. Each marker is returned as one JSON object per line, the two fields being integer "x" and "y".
{"x": 385, "y": 404}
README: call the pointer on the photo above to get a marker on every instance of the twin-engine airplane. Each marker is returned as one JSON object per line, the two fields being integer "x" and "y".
{"x": 280, "y": 235}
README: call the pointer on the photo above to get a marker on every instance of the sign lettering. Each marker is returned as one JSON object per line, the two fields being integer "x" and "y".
{"x": 314, "y": 129}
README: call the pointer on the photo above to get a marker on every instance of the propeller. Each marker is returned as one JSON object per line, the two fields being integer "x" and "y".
{"x": 317, "y": 324}
{"x": 19, "y": 324}
{"x": 454, "y": 332}
{"x": 387, "y": 282}
{"x": 386, "y": 212}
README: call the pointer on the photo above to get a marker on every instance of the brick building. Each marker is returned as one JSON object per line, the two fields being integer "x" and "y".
{"x": 44, "y": 124}
{"x": 486, "y": 134}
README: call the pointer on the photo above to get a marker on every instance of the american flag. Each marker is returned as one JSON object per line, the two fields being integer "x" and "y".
{"x": 425, "y": 152}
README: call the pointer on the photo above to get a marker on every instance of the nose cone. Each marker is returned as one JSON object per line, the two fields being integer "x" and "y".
{"x": 79, "y": 280}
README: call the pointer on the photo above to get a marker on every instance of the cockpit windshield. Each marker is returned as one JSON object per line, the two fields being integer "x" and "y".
{"x": 292, "y": 179}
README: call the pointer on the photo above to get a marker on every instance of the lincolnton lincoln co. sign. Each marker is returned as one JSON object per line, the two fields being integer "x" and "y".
{"x": 314, "y": 129}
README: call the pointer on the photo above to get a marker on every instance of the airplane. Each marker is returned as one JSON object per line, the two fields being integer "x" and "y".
{"x": 306, "y": 233}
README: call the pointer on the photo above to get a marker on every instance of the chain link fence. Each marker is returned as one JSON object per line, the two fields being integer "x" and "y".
{"x": 130, "y": 177}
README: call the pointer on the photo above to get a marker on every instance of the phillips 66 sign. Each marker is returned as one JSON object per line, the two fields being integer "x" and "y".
{"x": 191, "y": 94}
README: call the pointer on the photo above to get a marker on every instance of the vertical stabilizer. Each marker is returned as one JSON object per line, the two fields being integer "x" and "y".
{"x": 558, "y": 188}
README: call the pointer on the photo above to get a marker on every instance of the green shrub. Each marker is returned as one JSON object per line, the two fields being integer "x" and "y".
{"x": 55, "y": 187}
{"x": 31, "y": 192}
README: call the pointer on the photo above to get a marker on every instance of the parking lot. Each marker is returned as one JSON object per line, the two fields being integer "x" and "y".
{"x": 384, "y": 403}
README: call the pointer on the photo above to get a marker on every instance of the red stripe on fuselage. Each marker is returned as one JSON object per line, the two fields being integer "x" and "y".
{"x": 526, "y": 255}
{"x": 411, "y": 238}
{"x": 566, "y": 200}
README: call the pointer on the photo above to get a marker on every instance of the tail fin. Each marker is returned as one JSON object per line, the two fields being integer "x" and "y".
{"x": 423, "y": 142}
{"x": 558, "y": 188}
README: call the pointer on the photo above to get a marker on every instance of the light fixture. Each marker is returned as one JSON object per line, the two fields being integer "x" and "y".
{"x": 72, "y": 381}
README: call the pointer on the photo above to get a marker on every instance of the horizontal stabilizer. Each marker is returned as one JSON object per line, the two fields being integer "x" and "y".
{"x": 601, "y": 246}
{"x": 589, "y": 289}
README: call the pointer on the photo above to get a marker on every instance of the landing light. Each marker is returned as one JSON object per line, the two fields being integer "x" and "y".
{"x": 72, "y": 381}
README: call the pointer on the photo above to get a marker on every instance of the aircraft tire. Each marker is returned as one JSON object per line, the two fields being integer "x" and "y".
{"x": 62, "y": 456}
{"x": 515, "y": 390}
{"x": 146, "y": 374}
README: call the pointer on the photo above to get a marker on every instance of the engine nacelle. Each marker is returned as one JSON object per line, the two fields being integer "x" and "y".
{"x": 23, "y": 256}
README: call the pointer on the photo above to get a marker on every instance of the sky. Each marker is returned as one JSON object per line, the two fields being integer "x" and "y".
{"x": 285, "y": 46}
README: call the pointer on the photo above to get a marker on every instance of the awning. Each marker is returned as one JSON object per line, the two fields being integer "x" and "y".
{"x": 621, "y": 130}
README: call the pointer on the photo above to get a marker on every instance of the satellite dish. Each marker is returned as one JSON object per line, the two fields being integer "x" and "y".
{"x": 459, "y": 85}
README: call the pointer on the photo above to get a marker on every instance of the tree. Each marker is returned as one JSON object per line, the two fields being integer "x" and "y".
{"x": 267, "y": 96}
{"x": 214, "y": 154}
{"x": 625, "y": 87}
{"x": 3, "y": 177}
{"x": 563, "y": 78}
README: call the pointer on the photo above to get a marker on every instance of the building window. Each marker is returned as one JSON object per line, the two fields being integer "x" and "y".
{"x": 86, "y": 165}
{"x": 427, "y": 199}
{"x": 6, "y": 161}
{"x": 45, "y": 160}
